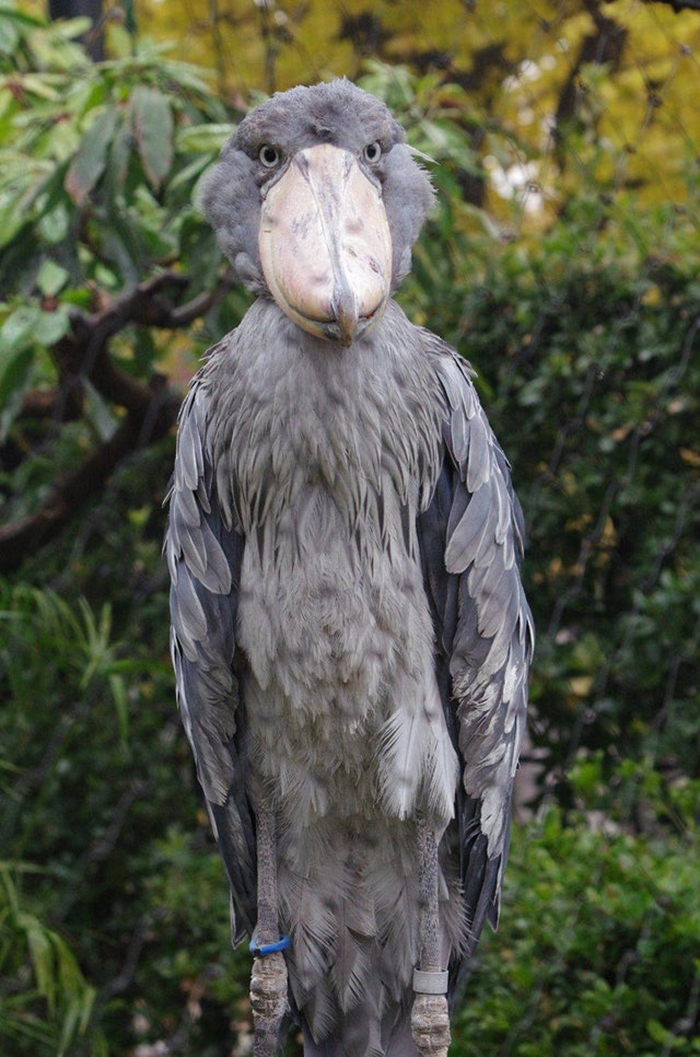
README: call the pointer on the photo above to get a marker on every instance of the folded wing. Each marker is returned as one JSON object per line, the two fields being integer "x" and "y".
{"x": 471, "y": 539}
{"x": 204, "y": 558}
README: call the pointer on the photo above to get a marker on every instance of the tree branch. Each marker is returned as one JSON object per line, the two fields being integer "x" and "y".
{"x": 678, "y": 5}
{"x": 83, "y": 353}
{"x": 21, "y": 538}
{"x": 606, "y": 44}
{"x": 144, "y": 305}
{"x": 59, "y": 404}
{"x": 151, "y": 408}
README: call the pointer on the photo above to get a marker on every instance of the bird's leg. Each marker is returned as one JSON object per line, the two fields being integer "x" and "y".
{"x": 430, "y": 1024}
{"x": 268, "y": 980}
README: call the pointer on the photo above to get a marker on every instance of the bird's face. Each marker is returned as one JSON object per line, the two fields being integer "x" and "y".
{"x": 325, "y": 244}
{"x": 317, "y": 201}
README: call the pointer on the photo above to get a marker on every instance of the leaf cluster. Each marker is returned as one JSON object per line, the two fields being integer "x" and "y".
{"x": 104, "y": 259}
{"x": 597, "y": 952}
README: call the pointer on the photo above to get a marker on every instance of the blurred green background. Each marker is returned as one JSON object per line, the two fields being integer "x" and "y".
{"x": 563, "y": 260}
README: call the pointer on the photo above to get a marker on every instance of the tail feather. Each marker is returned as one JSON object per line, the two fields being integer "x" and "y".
{"x": 353, "y": 918}
{"x": 389, "y": 1036}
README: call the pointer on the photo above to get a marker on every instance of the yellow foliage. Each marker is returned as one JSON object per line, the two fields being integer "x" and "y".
{"x": 690, "y": 457}
{"x": 631, "y": 121}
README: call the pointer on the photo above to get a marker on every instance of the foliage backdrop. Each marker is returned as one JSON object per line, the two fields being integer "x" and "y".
{"x": 563, "y": 260}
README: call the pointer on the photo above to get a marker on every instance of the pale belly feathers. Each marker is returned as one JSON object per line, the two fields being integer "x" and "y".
{"x": 331, "y": 461}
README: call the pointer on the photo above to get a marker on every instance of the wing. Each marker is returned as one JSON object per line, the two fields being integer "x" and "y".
{"x": 204, "y": 559}
{"x": 471, "y": 539}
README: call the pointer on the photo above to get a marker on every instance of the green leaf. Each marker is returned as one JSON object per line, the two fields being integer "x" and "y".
{"x": 15, "y": 331}
{"x": 71, "y": 28}
{"x": 99, "y": 1045}
{"x": 15, "y": 365}
{"x": 89, "y": 163}
{"x": 153, "y": 129}
{"x": 9, "y": 36}
{"x": 68, "y": 1028}
{"x": 26, "y": 326}
{"x": 197, "y": 139}
{"x": 51, "y": 278}
{"x": 51, "y": 326}
{"x": 11, "y": 220}
{"x": 657, "y": 1031}
{"x": 54, "y": 225}
{"x": 99, "y": 413}
{"x": 40, "y": 85}
{"x": 20, "y": 16}
{"x": 41, "y": 954}
{"x": 186, "y": 178}
{"x": 118, "y": 688}
{"x": 120, "y": 155}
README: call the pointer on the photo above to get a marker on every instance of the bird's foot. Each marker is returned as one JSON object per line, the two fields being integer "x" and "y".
{"x": 430, "y": 1025}
{"x": 268, "y": 999}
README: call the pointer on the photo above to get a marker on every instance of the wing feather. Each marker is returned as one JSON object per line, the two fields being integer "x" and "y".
{"x": 471, "y": 539}
{"x": 204, "y": 559}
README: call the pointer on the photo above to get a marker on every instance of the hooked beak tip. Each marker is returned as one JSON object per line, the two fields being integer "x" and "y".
{"x": 346, "y": 317}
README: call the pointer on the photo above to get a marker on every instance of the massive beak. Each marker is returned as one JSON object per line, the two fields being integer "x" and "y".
{"x": 325, "y": 244}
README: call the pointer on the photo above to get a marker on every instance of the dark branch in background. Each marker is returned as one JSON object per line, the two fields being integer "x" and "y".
{"x": 151, "y": 410}
{"x": 677, "y": 5}
{"x": 605, "y": 45}
{"x": 366, "y": 33}
{"x": 93, "y": 39}
{"x": 54, "y": 404}
{"x": 21, "y": 538}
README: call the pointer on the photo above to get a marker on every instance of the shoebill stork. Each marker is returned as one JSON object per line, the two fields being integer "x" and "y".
{"x": 350, "y": 637}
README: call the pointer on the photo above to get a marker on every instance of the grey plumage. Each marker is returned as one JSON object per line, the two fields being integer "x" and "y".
{"x": 350, "y": 636}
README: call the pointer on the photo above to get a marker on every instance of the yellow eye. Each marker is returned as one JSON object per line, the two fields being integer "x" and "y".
{"x": 269, "y": 155}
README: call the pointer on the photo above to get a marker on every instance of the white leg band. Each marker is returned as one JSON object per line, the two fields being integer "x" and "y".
{"x": 426, "y": 983}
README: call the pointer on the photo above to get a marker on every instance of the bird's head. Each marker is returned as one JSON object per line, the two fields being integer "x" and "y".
{"x": 316, "y": 200}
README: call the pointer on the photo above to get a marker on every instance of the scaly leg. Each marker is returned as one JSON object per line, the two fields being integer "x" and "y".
{"x": 430, "y": 1023}
{"x": 268, "y": 980}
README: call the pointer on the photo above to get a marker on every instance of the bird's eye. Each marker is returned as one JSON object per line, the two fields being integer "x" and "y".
{"x": 269, "y": 155}
{"x": 373, "y": 151}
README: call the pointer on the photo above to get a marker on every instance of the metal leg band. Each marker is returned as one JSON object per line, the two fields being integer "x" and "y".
{"x": 430, "y": 983}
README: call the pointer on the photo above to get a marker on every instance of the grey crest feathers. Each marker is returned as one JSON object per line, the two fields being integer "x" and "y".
{"x": 339, "y": 113}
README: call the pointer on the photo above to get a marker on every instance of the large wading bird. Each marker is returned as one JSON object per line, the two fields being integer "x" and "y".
{"x": 350, "y": 637}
